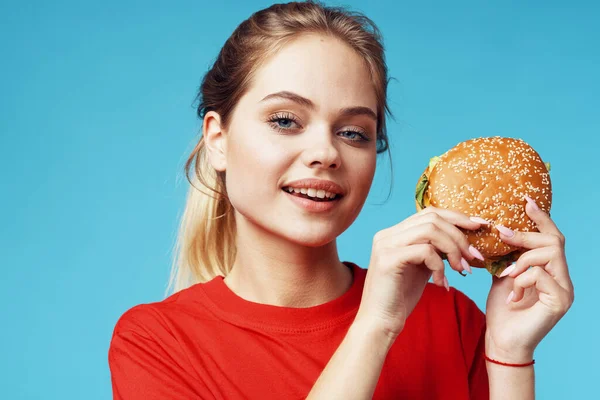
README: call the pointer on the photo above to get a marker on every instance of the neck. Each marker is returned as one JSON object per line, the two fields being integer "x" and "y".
{"x": 269, "y": 269}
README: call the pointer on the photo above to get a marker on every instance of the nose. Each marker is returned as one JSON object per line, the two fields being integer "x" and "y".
{"x": 321, "y": 153}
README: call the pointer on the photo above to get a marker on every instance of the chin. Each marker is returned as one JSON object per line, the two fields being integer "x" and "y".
{"x": 311, "y": 235}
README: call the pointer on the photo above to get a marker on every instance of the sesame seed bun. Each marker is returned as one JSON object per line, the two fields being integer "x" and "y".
{"x": 488, "y": 177}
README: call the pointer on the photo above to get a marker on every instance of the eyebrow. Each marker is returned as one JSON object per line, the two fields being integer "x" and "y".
{"x": 303, "y": 101}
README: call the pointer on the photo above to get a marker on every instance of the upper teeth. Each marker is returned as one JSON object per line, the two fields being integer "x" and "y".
{"x": 312, "y": 192}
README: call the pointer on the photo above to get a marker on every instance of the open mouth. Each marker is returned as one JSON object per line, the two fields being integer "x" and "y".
{"x": 315, "y": 199}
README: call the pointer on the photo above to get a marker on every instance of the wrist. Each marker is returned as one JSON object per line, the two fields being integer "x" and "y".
{"x": 514, "y": 356}
{"x": 511, "y": 374}
{"x": 512, "y": 353}
{"x": 372, "y": 333}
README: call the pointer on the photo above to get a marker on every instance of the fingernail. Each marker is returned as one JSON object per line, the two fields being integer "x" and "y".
{"x": 466, "y": 265}
{"x": 508, "y": 270}
{"x": 505, "y": 231}
{"x": 510, "y": 296}
{"x": 446, "y": 285}
{"x": 476, "y": 253}
{"x": 479, "y": 220}
{"x": 532, "y": 202}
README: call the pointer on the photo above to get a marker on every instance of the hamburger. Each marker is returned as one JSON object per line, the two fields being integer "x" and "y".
{"x": 488, "y": 177}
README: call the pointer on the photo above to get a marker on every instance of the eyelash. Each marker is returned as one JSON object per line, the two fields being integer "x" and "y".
{"x": 278, "y": 117}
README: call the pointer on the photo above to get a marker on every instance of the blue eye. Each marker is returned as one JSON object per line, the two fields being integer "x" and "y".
{"x": 361, "y": 137}
{"x": 284, "y": 122}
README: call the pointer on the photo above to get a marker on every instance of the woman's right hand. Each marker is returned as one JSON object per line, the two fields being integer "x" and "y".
{"x": 404, "y": 257}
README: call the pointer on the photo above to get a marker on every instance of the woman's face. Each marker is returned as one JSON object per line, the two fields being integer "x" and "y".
{"x": 309, "y": 114}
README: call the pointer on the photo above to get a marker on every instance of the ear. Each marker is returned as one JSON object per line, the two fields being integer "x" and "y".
{"x": 215, "y": 140}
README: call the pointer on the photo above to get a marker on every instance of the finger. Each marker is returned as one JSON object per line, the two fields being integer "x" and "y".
{"x": 544, "y": 223}
{"x": 528, "y": 240}
{"x": 552, "y": 259}
{"x": 448, "y": 220}
{"x": 429, "y": 214}
{"x": 434, "y": 234}
{"x": 424, "y": 254}
{"x": 454, "y": 217}
{"x": 536, "y": 277}
{"x": 459, "y": 260}
{"x": 468, "y": 252}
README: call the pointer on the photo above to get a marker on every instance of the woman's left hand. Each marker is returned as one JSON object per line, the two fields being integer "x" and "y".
{"x": 525, "y": 304}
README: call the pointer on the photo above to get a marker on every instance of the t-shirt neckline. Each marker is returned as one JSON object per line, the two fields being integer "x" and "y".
{"x": 226, "y": 304}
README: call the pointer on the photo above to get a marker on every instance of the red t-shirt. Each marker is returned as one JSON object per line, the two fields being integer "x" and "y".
{"x": 205, "y": 342}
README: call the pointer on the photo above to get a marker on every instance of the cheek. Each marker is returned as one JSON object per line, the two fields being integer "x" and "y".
{"x": 255, "y": 145}
{"x": 364, "y": 172}
{"x": 255, "y": 166}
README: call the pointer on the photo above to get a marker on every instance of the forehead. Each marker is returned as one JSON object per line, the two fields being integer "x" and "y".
{"x": 320, "y": 68}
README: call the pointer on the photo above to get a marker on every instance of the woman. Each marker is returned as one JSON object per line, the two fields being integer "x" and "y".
{"x": 294, "y": 108}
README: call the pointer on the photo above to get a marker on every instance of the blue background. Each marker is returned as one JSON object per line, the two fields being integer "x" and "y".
{"x": 97, "y": 118}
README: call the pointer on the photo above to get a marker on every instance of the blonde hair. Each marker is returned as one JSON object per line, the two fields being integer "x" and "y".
{"x": 205, "y": 245}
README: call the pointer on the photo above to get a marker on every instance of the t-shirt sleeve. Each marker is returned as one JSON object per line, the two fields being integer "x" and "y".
{"x": 472, "y": 330}
{"x": 146, "y": 362}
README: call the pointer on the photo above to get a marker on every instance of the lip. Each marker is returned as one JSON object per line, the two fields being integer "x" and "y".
{"x": 313, "y": 206}
{"x": 318, "y": 184}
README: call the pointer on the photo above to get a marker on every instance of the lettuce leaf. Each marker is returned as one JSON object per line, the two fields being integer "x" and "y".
{"x": 495, "y": 267}
{"x": 421, "y": 189}
{"x": 424, "y": 182}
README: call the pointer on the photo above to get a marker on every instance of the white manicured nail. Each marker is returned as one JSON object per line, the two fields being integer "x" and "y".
{"x": 510, "y": 296}
{"x": 505, "y": 231}
{"x": 508, "y": 270}
{"x": 479, "y": 220}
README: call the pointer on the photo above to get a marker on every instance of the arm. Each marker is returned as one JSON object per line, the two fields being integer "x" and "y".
{"x": 488, "y": 380}
{"x": 525, "y": 303}
{"x": 353, "y": 371}
{"x": 511, "y": 382}
{"x": 403, "y": 258}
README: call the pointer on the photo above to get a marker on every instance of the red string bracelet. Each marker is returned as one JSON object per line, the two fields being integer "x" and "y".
{"x": 509, "y": 365}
